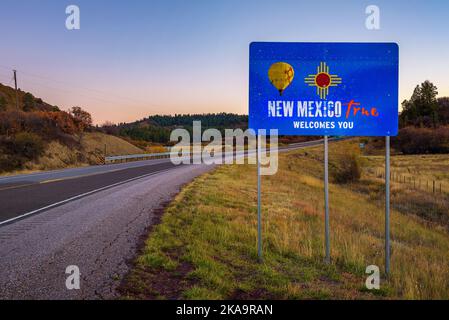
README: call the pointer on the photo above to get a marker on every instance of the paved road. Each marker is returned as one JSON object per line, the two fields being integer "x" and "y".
{"x": 22, "y": 198}
{"x": 27, "y": 194}
{"x": 90, "y": 217}
{"x": 98, "y": 233}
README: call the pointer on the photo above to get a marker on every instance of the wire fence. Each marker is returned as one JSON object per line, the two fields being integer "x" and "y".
{"x": 415, "y": 182}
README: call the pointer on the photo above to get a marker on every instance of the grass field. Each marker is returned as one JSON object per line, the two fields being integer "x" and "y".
{"x": 418, "y": 171}
{"x": 420, "y": 184}
{"x": 205, "y": 245}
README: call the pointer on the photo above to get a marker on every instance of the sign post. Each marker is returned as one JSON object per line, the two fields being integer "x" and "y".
{"x": 326, "y": 200}
{"x": 259, "y": 213}
{"x": 323, "y": 89}
{"x": 387, "y": 205}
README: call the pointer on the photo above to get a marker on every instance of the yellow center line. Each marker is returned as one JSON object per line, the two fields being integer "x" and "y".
{"x": 57, "y": 180}
{"x": 18, "y": 186}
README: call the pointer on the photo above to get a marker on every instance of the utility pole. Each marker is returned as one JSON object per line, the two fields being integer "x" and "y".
{"x": 17, "y": 94}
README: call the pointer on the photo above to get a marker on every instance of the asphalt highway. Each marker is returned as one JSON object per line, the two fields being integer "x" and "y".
{"x": 91, "y": 217}
{"x": 27, "y": 194}
{"x": 23, "y": 197}
{"x": 98, "y": 233}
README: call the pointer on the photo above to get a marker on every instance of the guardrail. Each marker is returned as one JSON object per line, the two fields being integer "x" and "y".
{"x": 131, "y": 157}
{"x": 148, "y": 156}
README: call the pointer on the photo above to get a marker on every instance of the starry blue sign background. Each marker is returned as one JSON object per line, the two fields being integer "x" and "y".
{"x": 369, "y": 72}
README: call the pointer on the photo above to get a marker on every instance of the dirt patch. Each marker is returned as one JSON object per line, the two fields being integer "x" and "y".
{"x": 150, "y": 283}
{"x": 155, "y": 283}
{"x": 256, "y": 294}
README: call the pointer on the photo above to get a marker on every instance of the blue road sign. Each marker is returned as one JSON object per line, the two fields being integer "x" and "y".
{"x": 344, "y": 89}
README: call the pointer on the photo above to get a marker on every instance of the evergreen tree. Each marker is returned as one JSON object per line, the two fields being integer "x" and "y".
{"x": 422, "y": 108}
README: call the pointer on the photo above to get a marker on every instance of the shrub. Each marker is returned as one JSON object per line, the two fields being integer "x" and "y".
{"x": 28, "y": 102}
{"x": 27, "y": 145}
{"x": 412, "y": 140}
{"x": 3, "y": 103}
{"x": 50, "y": 125}
{"x": 345, "y": 167}
{"x": 16, "y": 150}
{"x": 9, "y": 162}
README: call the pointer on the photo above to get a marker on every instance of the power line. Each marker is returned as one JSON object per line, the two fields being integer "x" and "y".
{"x": 57, "y": 90}
{"x": 79, "y": 87}
{"x": 7, "y": 80}
{"x": 68, "y": 91}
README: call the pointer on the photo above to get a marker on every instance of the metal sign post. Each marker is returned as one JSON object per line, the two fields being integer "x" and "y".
{"x": 326, "y": 199}
{"x": 387, "y": 205}
{"x": 259, "y": 213}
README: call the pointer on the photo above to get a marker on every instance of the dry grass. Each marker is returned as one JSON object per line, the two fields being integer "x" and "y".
{"x": 420, "y": 168}
{"x": 58, "y": 156}
{"x": 414, "y": 195}
{"x": 212, "y": 226}
{"x": 95, "y": 142}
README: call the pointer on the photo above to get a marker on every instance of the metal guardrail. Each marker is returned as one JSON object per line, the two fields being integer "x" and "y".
{"x": 129, "y": 157}
{"x": 147, "y": 156}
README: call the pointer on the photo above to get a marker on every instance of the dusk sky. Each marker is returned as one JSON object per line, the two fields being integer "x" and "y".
{"x": 131, "y": 59}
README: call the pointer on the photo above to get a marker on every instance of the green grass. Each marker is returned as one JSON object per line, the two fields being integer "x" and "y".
{"x": 205, "y": 246}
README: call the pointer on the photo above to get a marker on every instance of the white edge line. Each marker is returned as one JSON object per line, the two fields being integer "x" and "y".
{"x": 135, "y": 164}
{"x": 78, "y": 197}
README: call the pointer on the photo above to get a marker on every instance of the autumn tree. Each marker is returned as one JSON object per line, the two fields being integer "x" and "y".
{"x": 82, "y": 118}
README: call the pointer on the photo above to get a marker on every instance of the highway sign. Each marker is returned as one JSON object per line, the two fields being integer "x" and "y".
{"x": 345, "y": 89}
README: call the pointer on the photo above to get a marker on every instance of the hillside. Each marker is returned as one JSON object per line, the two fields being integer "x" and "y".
{"x": 57, "y": 155}
{"x": 39, "y": 136}
{"x": 27, "y": 102}
{"x": 205, "y": 246}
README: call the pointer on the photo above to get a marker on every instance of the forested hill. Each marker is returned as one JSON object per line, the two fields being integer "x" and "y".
{"x": 157, "y": 128}
{"x": 216, "y": 120}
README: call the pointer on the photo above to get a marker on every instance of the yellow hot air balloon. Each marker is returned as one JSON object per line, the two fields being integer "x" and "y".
{"x": 281, "y": 75}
